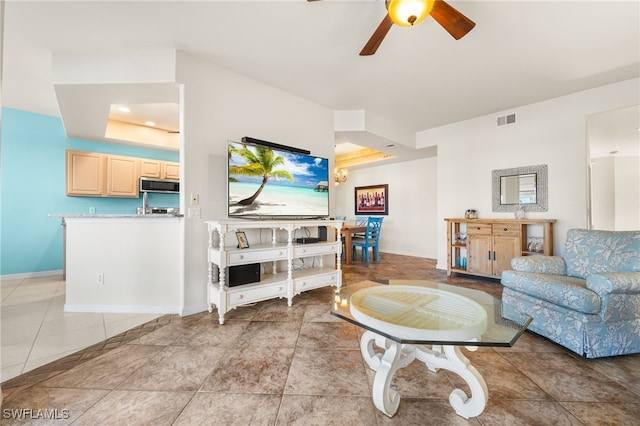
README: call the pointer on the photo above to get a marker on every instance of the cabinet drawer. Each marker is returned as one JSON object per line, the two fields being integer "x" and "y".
{"x": 255, "y": 294}
{"x": 242, "y": 257}
{"x": 309, "y": 283}
{"x": 314, "y": 250}
{"x": 478, "y": 229}
{"x": 506, "y": 229}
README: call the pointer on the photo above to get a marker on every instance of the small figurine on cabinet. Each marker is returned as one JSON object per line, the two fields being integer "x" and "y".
{"x": 470, "y": 214}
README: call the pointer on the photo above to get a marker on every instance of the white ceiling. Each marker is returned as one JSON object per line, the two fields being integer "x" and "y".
{"x": 520, "y": 52}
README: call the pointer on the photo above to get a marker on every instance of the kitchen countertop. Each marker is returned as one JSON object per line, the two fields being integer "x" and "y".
{"x": 116, "y": 216}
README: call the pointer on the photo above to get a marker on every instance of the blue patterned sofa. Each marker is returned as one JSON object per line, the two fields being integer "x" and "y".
{"x": 587, "y": 301}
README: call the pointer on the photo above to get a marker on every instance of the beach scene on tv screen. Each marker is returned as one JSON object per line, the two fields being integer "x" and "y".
{"x": 269, "y": 182}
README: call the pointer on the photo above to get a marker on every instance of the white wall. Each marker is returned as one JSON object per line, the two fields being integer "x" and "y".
{"x": 615, "y": 193}
{"x": 411, "y": 226}
{"x": 603, "y": 199}
{"x": 140, "y": 271}
{"x": 552, "y": 132}
{"x": 220, "y": 105}
{"x": 627, "y": 191}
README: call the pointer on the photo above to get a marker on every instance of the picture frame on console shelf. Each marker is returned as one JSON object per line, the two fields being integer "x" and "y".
{"x": 372, "y": 200}
{"x": 243, "y": 243}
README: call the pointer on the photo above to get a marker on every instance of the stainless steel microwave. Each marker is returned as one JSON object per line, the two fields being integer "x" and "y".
{"x": 159, "y": 185}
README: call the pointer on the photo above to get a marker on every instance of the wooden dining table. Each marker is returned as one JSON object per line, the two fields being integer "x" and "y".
{"x": 347, "y": 231}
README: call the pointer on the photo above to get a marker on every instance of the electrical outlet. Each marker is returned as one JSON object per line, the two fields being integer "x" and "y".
{"x": 92, "y": 210}
{"x": 195, "y": 199}
{"x": 100, "y": 278}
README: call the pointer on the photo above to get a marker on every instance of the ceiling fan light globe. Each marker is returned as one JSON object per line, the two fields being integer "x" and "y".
{"x": 407, "y": 13}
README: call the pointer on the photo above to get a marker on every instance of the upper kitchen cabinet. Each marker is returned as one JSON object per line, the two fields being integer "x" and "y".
{"x": 171, "y": 170}
{"x": 159, "y": 169}
{"x": 122, "y": 176}
{"x": 85, "y": 173}
{"x": 93, "y": 174}
{"x": 150, "y": 168}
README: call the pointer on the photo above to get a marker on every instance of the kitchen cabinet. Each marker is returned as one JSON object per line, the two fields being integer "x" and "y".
{"x": 159, "y": 169}
{"x": 85, "y": 173}
{"x": 485, "y": 247}
{"x": 150, "y": 168}
{"x": 93, "y": 174}
{"x": 122, "y": 176}
{"x": 171, "y": 170}
{"x": 286, "y": 267}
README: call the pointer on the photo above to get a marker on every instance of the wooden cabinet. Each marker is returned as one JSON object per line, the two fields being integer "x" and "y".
{"x": 85, "y": 173}
{"x": 150, "y": 168}
{"x": 122, "y": 176}
{"x": 159, "y": 169}
{"x": 171, "y": 170}
{"x": 287, "y": 268}
{"x": 93, "y": 174}
{"x": 486, "y": 247}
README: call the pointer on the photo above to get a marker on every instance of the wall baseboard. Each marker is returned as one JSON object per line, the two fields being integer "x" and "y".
{"x": 123, "y": 309}
{"x": 193, "y": 311}
{"x": 26, "y": 275}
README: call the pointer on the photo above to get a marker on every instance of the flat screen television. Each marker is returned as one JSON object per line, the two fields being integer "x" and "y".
{"x": 271, "y": 183}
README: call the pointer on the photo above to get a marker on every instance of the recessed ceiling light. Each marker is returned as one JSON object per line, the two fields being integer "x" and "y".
{"x": 149, "y": 123}
{"x": 123, "y": 109}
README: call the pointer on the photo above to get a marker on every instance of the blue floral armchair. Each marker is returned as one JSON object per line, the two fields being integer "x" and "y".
{"x": 587, "y": 301}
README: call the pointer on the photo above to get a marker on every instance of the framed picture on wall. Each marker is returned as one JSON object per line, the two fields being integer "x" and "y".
{"x": 372, "y": 200}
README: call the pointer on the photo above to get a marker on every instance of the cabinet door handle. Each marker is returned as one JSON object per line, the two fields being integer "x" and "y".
{"x": 241, "y": 296}
{"x": 489, "y": 255}
{"x": 505, "y": 229}
{"x": 494, "y": 255}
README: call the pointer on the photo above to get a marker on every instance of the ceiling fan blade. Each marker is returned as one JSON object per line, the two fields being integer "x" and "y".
{"x": 377, "y": 37}
{"x": 451, "y": 20}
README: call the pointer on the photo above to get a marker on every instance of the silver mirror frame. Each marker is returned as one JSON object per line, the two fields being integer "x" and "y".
{"x": 541, "y": 188}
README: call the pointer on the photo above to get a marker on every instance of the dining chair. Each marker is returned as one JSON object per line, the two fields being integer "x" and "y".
{"x": 370, "y": 241}
{"x": 361, "y": 221}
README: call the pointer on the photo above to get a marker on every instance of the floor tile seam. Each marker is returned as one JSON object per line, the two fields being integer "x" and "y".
{"x": 286, "y": 382}
{"x": 33, "y": 343}
{"x": 341, "y": 395}
{"x": 187, "y": 404}
{"x": 618, "y": 381}
{"x": 582, "y": 365}
{"x": 77, "y": 362}
{"x": 574, "y": 415}
{"x": 531, "y": 379}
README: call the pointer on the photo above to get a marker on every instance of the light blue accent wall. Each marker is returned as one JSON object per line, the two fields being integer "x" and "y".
{"x": 32, "y": 166}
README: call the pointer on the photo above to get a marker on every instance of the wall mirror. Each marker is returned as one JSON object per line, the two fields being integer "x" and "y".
{"x": 524, "y": 187}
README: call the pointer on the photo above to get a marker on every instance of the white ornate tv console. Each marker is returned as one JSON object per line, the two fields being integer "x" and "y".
{"x": 287, "y": 268}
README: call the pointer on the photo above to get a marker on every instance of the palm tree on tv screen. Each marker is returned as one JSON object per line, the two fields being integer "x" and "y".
{"x": 260, "y": 163}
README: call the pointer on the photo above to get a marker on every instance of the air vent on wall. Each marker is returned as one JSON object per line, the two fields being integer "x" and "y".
{"x": 506, "y": 119}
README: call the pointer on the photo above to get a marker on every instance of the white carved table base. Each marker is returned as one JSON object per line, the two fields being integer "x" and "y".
{"x": 397, "y": 355}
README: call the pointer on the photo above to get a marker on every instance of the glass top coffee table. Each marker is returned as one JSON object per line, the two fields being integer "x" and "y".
{"x": 411, "y": 319}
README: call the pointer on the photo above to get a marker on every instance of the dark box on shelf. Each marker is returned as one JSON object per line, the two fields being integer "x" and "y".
{"x": 243, "y": 274}
{"x": 307, "y": 240}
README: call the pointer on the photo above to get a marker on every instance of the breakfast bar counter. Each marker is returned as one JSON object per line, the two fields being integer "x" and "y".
{"x": 122, "y": 262}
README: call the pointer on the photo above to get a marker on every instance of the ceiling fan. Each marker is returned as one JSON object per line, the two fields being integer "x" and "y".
{"x": 410, "y": 12}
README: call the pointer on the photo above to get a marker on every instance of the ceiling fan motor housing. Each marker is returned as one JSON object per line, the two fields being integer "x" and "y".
{"x": 407, "y": 13}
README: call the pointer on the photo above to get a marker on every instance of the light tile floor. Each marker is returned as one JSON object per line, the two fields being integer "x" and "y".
{"x": 36, "y": 330}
